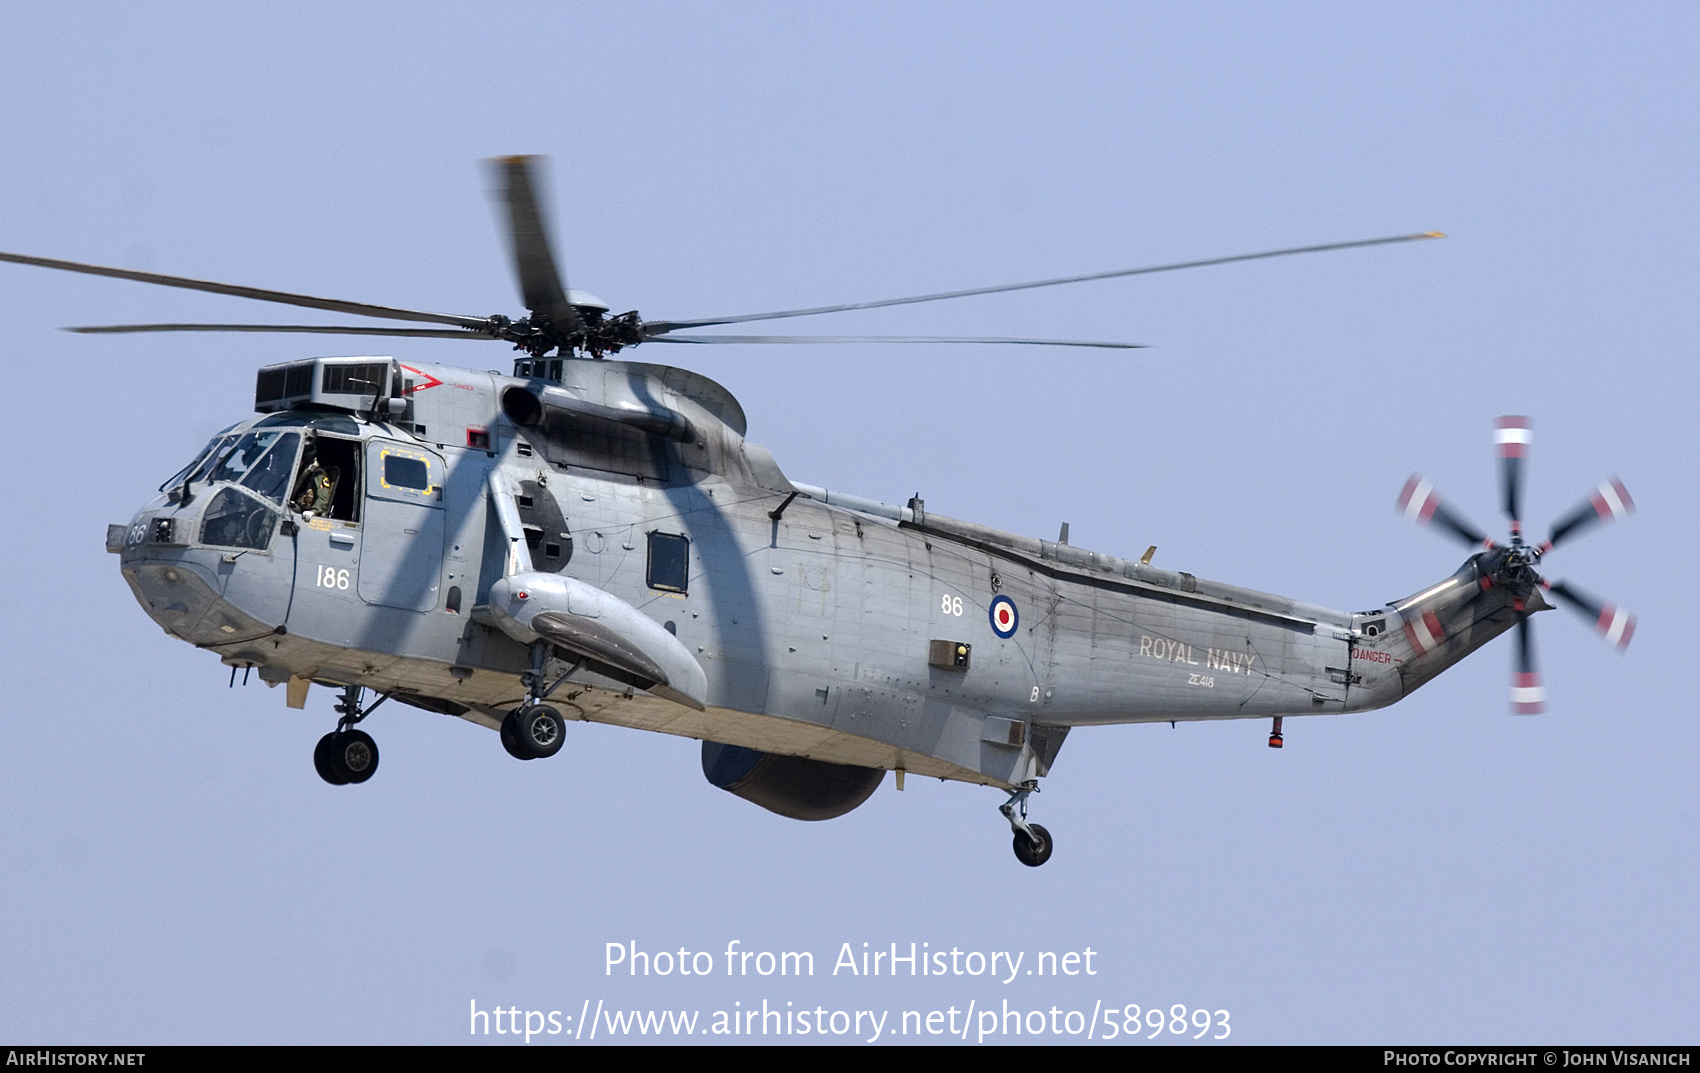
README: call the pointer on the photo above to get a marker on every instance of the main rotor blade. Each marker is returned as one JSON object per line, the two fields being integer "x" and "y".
{"x": 1422, "y": 504}
{"x": 334, "y": 305}
{"x": 883, "y": 339}
{"x": 1609, "y": 502}
{"x": 540, "y": 282}
{"x": 1528, "y": 695}
{"x": 1513, "y": 436}
{"x": 661, "y": 327}
{"x": 315, "y": 329}
{"x": 1611, "y": 622}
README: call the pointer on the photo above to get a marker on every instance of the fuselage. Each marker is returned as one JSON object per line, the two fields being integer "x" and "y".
{"x": 826, "y": 626}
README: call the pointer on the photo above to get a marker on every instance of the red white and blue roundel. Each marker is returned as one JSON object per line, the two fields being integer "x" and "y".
{"x": 1004, "y": 616}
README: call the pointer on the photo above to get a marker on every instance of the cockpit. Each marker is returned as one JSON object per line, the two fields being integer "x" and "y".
{"x": 254, "y": 472}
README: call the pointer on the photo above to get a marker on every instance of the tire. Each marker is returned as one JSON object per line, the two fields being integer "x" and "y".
{"x": 510, "y": 737}
{"x": 355, "y": 755}
{"x": 540, "y": 730}
{"x": 1036, "y": 851}
{"x": 323, "y": 762}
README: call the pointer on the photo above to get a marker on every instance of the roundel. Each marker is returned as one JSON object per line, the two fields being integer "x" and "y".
{"x": 1004, "y": 616}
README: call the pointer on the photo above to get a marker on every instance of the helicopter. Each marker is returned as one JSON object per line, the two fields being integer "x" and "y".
{"x": 594, "y": 539}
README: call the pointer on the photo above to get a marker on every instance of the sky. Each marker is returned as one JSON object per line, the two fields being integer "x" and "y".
{"x": 173, "y": 871}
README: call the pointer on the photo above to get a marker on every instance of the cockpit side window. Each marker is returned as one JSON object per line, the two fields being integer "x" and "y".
{"x": 236, "y": 520}
{"x": 327, "y": 484}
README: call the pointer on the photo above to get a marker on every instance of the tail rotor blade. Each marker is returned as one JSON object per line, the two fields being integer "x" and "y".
{"x": 540, "y": 282}
{"x": 1611, "y": 622}
{"x": 1607, "y": 503}
{"x": 1528, "y": 695}
{"x": 1422, "y": 504}
{"x": 1513, "y": 437}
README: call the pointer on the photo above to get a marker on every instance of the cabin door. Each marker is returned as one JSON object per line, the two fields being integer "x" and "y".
{"x": 401, "y": 563}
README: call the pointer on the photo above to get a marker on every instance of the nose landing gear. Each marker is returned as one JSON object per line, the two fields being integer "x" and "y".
{"x": 1032, "y": 842}
{"x": 346, "y": 755}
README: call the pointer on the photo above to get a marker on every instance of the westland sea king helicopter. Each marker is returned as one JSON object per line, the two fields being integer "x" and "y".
{"x": 595, "y": 539}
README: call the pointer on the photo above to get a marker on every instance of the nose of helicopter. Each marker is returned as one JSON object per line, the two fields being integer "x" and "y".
{"x": 180, "y": 586}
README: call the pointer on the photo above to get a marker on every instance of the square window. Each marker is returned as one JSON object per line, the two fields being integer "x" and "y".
{"x": 401, "y": 472}
{"x": 669, "y": 562}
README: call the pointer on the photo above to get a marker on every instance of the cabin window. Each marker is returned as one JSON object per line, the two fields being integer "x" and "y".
{"x": 403, "y": 472}
{"x": 669, "y": 562}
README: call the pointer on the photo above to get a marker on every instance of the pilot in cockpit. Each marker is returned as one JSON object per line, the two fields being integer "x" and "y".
{"x": 315, "y": 489}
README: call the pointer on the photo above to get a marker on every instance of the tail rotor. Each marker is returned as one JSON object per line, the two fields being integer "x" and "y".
{"x": 1513, "y": 564}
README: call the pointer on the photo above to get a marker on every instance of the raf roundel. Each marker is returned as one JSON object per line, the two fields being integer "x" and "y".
{"x": 1004, "y": 617}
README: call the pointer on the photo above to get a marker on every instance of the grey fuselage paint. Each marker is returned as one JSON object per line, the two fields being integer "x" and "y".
{"x": 813, "y": 628}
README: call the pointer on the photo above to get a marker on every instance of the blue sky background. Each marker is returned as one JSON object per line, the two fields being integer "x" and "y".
{"x": 171, "y": 869}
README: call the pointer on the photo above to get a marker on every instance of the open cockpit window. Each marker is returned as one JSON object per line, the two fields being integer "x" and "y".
{"x": 327, "y": 483}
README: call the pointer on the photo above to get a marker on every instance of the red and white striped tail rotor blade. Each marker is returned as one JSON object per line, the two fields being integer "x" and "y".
{"x": 1528, "y": 695}
{"x": 1607, "y": 503}
{"x": 1611, "y": 622}
{"x": 1512, "y": 434}
{"x": 1422, "y": 504}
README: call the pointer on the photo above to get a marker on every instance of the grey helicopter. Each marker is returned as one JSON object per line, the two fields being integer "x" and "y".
{"x": 595, "y": 539}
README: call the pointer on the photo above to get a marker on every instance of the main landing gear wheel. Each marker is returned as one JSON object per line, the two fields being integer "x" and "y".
{"x": 1036, "y": 850}
{"x": 533, "y": 732}
{"x": 346, "y": 756}
{"x": 510, "y": 739}
{"x": 322, "y": 760}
